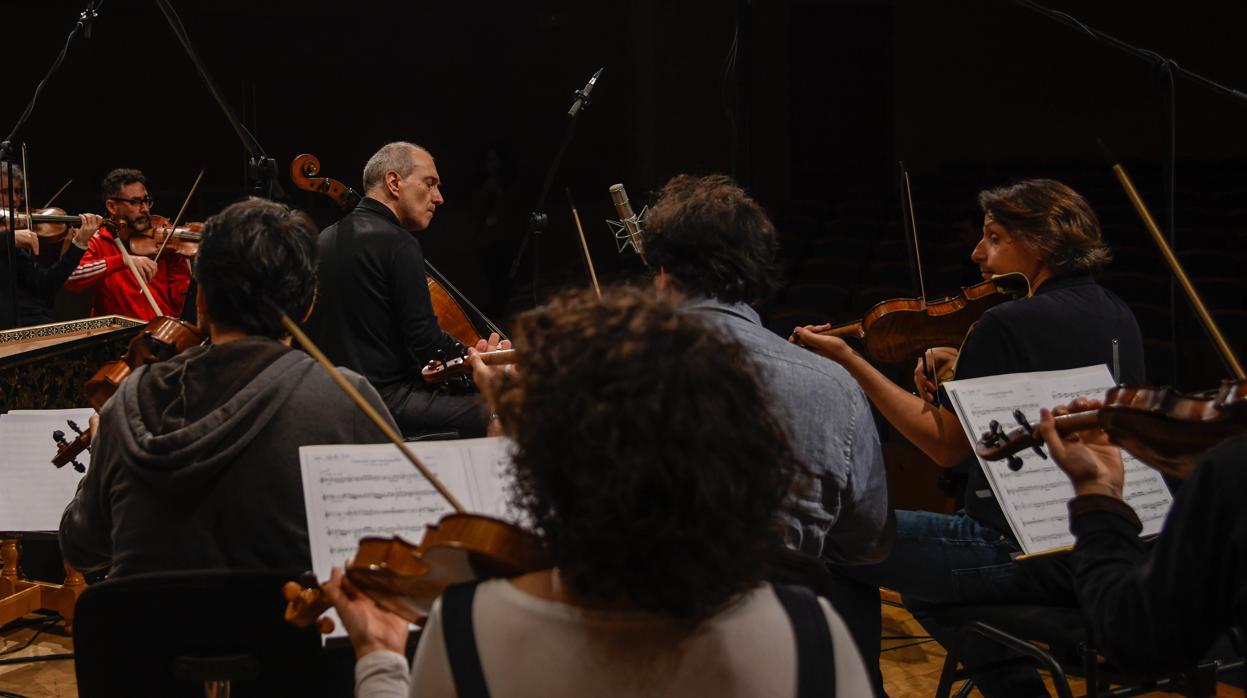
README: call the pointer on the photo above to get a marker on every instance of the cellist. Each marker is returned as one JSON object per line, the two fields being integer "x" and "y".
{"x": 104, "y": 269}
{"x": 1046, "y": 231}
{"x": 375, "y": 315}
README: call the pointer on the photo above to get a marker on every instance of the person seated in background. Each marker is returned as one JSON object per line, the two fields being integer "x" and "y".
{"x": 41, "y": 266}
{"x": 1047, "y": 232}
{"x": 648, "y": 463}
{"x": 1158, "y": 607}
{"x": 103, "y": 270}
{"x": 711, "y": 246}
{"x": 195, "y": 461}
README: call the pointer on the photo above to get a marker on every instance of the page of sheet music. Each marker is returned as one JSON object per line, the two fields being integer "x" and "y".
{"x": 1034, "y": 499}
{"x": 353, "y": 491}
{"x": 33, "y": 492}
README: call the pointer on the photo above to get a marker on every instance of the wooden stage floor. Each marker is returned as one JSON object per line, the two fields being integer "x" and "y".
{"x": 911, "y": 663}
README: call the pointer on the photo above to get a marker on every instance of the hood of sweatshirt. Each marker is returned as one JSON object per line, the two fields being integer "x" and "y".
{"x": 183, "y": 421}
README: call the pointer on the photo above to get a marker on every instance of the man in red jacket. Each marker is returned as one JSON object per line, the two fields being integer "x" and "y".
{"x": 103, "y": 269}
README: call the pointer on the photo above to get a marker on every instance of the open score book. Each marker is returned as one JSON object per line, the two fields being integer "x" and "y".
{"x": 1034, "y": 499}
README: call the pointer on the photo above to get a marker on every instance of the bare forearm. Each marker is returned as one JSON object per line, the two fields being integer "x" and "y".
{"x": 932, "y": 429}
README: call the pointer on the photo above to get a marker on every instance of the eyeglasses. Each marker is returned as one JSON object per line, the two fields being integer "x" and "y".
{"x": 136, "y": 201}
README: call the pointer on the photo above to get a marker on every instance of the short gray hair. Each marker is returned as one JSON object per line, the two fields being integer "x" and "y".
{"x": 17, "y": 170}
{"x": 395, "y": 157}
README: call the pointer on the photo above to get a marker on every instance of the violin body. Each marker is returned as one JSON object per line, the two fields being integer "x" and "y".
{"x": 183, "y": 240}
{"x": 899, "y": 330}
{"x": 50, "y": 224}
{"x": 406, "y": 579}
{"x": 1164, "y": 428}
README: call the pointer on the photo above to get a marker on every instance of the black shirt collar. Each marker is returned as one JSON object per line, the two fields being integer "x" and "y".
{"x": 371, "y": 205}
{"x": 1057, "y": 283}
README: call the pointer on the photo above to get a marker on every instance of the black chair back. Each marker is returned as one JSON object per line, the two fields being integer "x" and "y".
{"x": 169, "y": 634}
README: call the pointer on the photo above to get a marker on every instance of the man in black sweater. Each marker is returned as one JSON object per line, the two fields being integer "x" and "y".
{"x": 374, "y": 315}
{"x": 1159, "y": 608}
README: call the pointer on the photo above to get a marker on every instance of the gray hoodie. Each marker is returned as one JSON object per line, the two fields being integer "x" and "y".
{"x": 196, "y": 463}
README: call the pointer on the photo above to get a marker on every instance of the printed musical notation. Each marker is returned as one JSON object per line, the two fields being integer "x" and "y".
{"x": 1034, "y": 499}
{"x": 354, "y": 491}
{"x": 33, "y": 492}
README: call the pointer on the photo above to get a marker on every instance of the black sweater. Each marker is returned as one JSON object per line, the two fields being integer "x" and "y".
{"x": 374, "y": 315}
{"x": 1161, "y": 609}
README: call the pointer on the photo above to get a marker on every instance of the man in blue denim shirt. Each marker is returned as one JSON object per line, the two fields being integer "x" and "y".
{"x": 708, "y": 241}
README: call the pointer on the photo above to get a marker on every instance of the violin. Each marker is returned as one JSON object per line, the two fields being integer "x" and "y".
{"x": 183, "y": 240}
{"x": 899, "y": 330}
{"x": 162, "y": 339}
{"x": 1164, "y": 428}
{"x": 405, "y": 579}
{"x": 440, "y": 371}
{"x": 50, "y": 224}
{"x": 450, "y": 314}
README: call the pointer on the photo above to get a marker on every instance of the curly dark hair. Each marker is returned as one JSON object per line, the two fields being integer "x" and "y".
{"x": 257, "y": 255}
{"x": 118, "y": 178}
{"x": 1052, "y": 219}
{"x": 645, "y": 457}
{"x": 712, "y": 239}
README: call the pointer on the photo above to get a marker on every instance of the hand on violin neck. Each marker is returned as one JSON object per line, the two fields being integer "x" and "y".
{"x": 487, "y": 377}
{"x": 83, "y": 233}
{"x": 370, "y": 628}
{"x": 833, "y": 348}
{"x": 1093, "y": 464}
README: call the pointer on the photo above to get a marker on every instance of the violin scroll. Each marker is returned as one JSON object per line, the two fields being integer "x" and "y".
{"x": 1166, "y": 429}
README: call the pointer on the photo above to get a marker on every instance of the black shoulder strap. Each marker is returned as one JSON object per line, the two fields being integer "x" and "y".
{"x": 816, "y": 660}
{"x": 460, "y": 637}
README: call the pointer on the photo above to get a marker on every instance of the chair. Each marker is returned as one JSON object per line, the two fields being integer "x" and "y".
{"x": 1056, "y": 639}
{"x": 195, "y": 633}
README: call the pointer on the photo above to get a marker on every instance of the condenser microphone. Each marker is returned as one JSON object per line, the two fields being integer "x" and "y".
{"x": 582, "y": 96}
{"x": 630, "y": 221}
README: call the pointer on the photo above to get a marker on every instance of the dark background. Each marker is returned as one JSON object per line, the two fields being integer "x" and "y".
{"x": 823, "y": 99}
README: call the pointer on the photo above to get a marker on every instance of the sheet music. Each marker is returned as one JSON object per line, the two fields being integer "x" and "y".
{"x": 33, "y": 492}
{"x": 1034, "y": 498}
{"x": 353, "y": 491}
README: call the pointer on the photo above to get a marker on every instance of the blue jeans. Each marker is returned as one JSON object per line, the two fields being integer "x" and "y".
{"x": 941, "y": 559}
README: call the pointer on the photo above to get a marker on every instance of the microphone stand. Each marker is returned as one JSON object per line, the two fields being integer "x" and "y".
{"x": 83, "y": 26}
{"x": 1166, "y": 69}
{"x": 262, "y": 170}
{"x": 537, "y": 218}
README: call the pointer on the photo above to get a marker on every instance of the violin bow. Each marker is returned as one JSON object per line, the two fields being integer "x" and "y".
{"x": 58, "y": 193}
{"x": 30, "y": 223}
{"x": 910, "y": 222}
{"x": 181, "y": 213}
{"x": 584, "y": 245}
{"x": 1214, "y": 332}
{"x": 363, "y": 404}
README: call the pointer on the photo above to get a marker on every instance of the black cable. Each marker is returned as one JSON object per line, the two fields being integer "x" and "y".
{"x": 910, "y": 644}
{"x": 10, "y": 694}
{"x": 48, "y": 623}
{"x": 37, "y": 658}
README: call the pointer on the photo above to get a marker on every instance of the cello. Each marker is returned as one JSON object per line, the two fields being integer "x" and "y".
{"x": 447, "y": 301}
